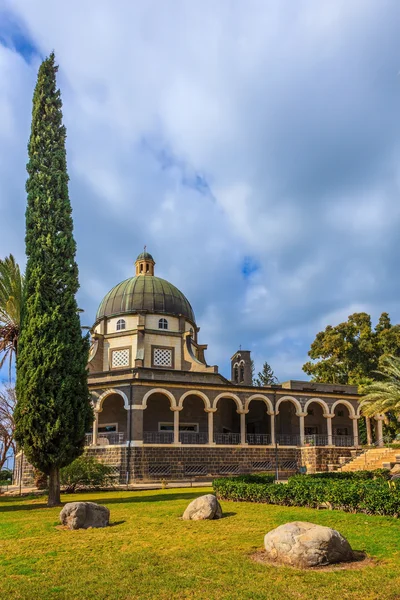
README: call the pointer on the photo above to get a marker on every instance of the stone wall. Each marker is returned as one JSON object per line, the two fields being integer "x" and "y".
{"x": 154, "y": 463}
{"x": 317, "y": 459}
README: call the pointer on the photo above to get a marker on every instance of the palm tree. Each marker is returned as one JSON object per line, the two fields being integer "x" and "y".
{"x": 11, "y": 297}
{"x": 382, "y": 397}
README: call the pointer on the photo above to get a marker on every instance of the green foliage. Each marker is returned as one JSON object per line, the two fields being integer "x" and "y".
{"x": 53, "y": 410}
{"x": 374, "y": 496}
{"x": 6, "y": 476}
{"x": 85, "y": 472}
{"x": 11, "y": 297}
{"x": 265, "y": 377}
{"x": 352, "y": 351}
{"x": 384, "y": 396}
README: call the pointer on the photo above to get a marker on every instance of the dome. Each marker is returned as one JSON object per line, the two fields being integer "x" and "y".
{"x": 145, "y": 256}
{"x": 145, "y": 294}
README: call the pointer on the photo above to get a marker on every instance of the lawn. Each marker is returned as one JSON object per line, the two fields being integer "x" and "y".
{"x": 149, "y": 553}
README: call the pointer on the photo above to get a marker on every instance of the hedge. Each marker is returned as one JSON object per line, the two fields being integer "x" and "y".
{"x": 370, "y": 496}
{"x": 355, "y": 475}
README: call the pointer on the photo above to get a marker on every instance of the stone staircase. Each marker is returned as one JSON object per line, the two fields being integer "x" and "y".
{"x": 374, "y": 458}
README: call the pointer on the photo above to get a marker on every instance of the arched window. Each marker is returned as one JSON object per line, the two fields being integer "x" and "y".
{"x": 121, "y": 324}
{"x": 163, "y": 324}
{"x": 236, "y": 374}
{"x": 241, "y": 373}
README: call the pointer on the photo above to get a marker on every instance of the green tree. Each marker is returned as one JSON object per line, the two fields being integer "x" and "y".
{"x": 265, "y": 377}
{"x": 352, "y": 352}
{"x": 11, "y": 295}
{"x": 53, "y": 409}
{"x": 383, "y": 397}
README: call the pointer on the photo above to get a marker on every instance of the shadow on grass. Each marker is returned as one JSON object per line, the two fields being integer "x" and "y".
{"x": 12, "y": 504}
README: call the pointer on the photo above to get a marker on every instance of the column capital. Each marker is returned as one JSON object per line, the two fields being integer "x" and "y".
{"x": 301, "y": 414}
{"x": 329, "y": 416}
{"x": 210, "y": 410}
{"x": 176, "y": 408}
{"x": 379, "y": 417}
{"x": 242, "y": 411}
{"x": 355, "y": 417}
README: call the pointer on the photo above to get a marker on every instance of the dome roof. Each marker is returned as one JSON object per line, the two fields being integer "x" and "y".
{"x": 145, "y": 294}
{"x": 145, "y": 256}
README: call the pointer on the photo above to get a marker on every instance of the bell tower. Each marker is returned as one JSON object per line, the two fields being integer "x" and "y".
{"x": 241, "y": 368}
{"x": 145, "y": 264}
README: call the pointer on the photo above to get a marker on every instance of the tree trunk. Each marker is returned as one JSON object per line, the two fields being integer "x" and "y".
{"x": 54, "y": 487}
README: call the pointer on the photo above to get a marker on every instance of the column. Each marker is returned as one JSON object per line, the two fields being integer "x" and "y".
{"x": 329, "y": 418}
{"x": 210, "y": 412}
{"x": 243, "y": 427}
{"x": 95, "y": 427}
{"x": 301, "y": 416}
{"x": 272, "y": 415}
{"x": 369, "y": 432}
{"x": 128, "y": 423}
{"x": 137, "y": 413}
{"x": 379, "y": 429}
{"x": 176, "y": 424}
{"x": 355, "y": 430}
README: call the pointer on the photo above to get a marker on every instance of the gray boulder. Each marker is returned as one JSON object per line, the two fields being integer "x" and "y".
{"x": 82, "y": 515}
{"x": 204, "y": 507}
{"x": 303, "y": 545}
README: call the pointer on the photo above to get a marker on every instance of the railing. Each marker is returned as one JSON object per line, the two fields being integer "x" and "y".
{"x": 110, "y": 438}
{"x": 258, "y": 439}
{"x": 193, "y": 437}
{"x": 381, "y": 443}
{"x": 228, "y": 439}
{"x": 158, "y": 437}
{"x": 316, "y": 439}
{"x": 285, "y": 439}
{"x": 342, "y": 441}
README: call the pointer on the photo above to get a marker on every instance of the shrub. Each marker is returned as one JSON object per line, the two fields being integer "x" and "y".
{"x": 40, "y": 479}
{"x": 352, "y": 475}
{"x": 6, "y": 477}
{"x": 85, "y": 472}
{"x": 371, "y": 496}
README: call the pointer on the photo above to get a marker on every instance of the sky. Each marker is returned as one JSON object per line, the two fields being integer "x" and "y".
{"x": 253, "y": 147}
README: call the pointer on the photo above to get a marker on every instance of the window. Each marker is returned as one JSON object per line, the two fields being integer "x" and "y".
{"x": 311, "y": 412}
{"x": 121, "y": 324}
{"x": 120, "y": 358}
{"x": 340, "y": 413}
{"x": 163, "y": 324}
{"x": 163, "y": 357}
{"x": 241, "y": 373}
{"x": 236, "y": 374}
{"x": 112, "y": 428}
{"x": 182, "y": 427}
{"x": 341, "y": 431}
{"x": 310, "y": 430}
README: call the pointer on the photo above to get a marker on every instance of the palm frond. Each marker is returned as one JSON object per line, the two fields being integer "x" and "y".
{"x": 381, "y": 397}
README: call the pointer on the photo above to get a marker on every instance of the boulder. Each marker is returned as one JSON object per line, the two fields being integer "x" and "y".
{"x": 82, "y": 515}
{"x": 303, "y": 545}
{"x": 204, "y": 507}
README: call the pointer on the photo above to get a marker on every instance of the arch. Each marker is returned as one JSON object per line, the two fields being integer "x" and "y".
{"x": 290, "y": 399}
{"x": 318, "y": 401}
{"x": 229, "y": 395}
{"x": 108, "y": 392}
{"x": 170, "y": 396}
{"x": 265, "y": 399}
{"x": 206, "y": 400}
{"x": 346, "y": 403}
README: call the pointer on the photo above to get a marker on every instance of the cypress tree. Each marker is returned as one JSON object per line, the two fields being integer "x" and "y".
{"x": 53, "y": 410}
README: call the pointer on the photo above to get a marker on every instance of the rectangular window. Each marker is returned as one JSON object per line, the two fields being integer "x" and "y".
{"x": 310, "y": 430}
{"x": 112, "y": 428}
{"x": 341, "y": 431}
{"x": 163, "y": 357}
{"x": 182, "y": 427}
{"x": 120, "y": 358}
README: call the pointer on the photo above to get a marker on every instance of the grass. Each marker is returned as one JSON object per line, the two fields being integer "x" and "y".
{"x": 149, "y": 553}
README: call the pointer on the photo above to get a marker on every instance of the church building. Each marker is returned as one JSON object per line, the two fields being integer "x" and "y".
{"x": 162, "y": 412}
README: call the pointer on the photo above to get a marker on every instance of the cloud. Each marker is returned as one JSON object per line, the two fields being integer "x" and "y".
{"x": 252, "y": 146}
